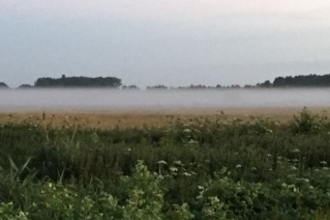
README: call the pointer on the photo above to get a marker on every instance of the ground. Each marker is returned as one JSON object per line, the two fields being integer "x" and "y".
{"x": 110, "y": 119}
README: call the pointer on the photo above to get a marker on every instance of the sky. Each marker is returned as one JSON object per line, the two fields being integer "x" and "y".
{"x": 169, "y": 42}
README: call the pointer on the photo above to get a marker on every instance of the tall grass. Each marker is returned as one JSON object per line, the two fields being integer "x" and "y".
{"x": 202, "y": 169}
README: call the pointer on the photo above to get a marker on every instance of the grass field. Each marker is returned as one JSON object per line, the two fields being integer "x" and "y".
{"x": 128, "y": 119}
{"x": 234, "y": 164}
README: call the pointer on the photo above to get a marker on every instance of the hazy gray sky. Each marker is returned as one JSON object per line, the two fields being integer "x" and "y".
{"x": 171, "y": 42}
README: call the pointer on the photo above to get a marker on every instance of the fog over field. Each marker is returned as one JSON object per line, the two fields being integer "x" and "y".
{"x": 119, "y": 100}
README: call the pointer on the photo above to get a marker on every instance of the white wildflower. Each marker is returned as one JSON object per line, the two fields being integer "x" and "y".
{"x": 323, "y": 162}
{"x": 200, "y": 187}
{"x": 187, "y": 130}
{"x": 186, "y": 174}
{"x": 161, "y": 162}
{"x": 296, "y": 150}
{"x": 293, "y": 168}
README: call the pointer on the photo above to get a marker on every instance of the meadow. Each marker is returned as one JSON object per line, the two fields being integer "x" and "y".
{"x": 213, "y": 167}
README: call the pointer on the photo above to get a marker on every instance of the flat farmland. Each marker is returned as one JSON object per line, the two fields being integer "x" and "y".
{"x": 243, "y": 163}
{"x": 126, "y": 119}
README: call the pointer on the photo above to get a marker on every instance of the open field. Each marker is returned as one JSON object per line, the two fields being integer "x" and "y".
{"x": 126, "y": 119}
{"x": 184, "y": 165}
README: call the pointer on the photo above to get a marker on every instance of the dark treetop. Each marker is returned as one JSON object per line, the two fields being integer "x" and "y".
{"x": 311, "y": 80}
{"x": 104, "y": 82}
{"x": 3, "y": 85}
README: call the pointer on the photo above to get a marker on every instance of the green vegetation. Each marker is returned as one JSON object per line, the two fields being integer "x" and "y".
{"x": 311, "y": 80}
{"x": 111, "y": 82}
{"x": 256, "y": 169}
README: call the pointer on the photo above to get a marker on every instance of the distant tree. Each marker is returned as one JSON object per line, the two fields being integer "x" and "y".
{"x": 197, "y": 87}
{"x": 248, "y": 86}
{"x": 133, "y": 87}
{"x": 104, "y": 82}
{"x": 265, "y": 84}
{"x": 235, "y": 86}
{"x": 25, "y": 86}
{"x": 157, "y": 87}
{"x": 279, "y": 82}
{"x": 3, "y": 85}
{"x": 311, "y": 80}
{"x": 45, "y": 82}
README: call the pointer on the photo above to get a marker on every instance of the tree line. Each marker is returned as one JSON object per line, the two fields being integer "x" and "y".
{"x": 110, "y": 82}
{"x": 72, "y": 82}
{"x": 311, "y": 80}
{"x": 299, "y": 81}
